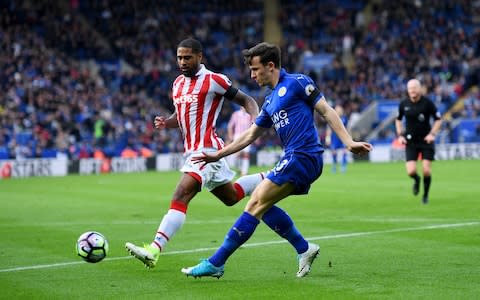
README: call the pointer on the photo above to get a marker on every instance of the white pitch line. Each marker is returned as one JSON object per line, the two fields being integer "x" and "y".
{"x": 325, "y": 237}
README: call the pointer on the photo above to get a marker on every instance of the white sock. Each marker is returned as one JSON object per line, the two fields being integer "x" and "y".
{"x": 249, "y": 182}
{"x": 171, "y": 223}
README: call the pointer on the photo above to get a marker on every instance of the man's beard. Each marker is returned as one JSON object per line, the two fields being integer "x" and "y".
{"x": 188, "y": 73}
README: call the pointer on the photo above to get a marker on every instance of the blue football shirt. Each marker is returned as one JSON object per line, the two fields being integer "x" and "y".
{"x": 289, "y": 108}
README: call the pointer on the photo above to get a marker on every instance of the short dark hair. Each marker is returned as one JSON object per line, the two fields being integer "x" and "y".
{"x": 267, "y": 52}
{"x": 191, "y": 43}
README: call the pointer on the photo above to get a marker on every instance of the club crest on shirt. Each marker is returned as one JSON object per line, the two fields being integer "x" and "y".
{"x": 282, "y": 91}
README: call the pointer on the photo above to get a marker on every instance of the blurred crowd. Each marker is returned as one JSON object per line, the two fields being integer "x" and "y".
{"x": 86, "y": 78}
{"x": 379, "y": 45}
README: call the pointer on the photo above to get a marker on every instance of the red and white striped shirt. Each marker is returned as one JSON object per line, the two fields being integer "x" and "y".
{"x": 238, "y": 123}
{"x": 198, "y": 101}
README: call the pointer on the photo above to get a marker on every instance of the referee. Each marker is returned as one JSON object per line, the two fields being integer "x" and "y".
{"x": 419, "y": 135}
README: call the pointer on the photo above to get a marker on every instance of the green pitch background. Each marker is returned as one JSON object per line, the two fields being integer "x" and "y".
{"x": 377, "y": 240}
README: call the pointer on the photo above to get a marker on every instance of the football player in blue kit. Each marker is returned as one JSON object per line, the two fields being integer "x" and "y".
{"x": 289, "y": 109}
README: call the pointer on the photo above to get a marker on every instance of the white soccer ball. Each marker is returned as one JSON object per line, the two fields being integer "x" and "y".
{"x": 92, "y": 246}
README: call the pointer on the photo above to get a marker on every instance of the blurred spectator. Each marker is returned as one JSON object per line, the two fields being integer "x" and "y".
{"x": 128, "y": 152}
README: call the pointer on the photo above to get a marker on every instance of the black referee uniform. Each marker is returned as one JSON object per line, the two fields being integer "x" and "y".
{"x": 417, "y": 122}
{"x": 417, "y": 126}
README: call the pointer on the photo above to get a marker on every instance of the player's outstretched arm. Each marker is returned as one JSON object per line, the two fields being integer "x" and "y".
{"x": 162, "y": 122}
{"x": 245, "y": 139}
{"x": 337, "y": 126}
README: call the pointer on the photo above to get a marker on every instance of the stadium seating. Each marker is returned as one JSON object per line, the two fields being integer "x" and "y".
{"x": 79, "y": 62}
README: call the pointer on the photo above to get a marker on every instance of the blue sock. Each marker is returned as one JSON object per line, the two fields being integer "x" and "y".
{"x": 344, "y": 162}
{"x": 280, "y": 222}
{"x": 240, "y": 232}
{"x": 334, "y": 162}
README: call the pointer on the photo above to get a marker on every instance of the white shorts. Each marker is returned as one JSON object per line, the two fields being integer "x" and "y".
{"x": 213, "y": 174}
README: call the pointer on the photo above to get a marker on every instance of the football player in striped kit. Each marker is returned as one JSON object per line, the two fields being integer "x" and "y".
{"x": 198, "y": 95}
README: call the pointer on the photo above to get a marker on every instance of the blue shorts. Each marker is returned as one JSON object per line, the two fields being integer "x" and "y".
{"x": 299, "y": 168}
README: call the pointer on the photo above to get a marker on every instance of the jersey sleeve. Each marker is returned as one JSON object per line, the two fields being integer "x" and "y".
{"x": 263, "y": 119}
{"x": 220, "y": 83}
{"x": 400, "y": 111}
{"x": 307, "y": 90}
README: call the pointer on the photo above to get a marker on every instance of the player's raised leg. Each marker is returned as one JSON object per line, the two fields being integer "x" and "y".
{"x": 231, "y": 193}
{"x": 173, "y": 220}
{"x": 245, "y": 185}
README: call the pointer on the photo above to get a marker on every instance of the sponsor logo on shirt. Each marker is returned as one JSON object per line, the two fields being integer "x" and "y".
{"x": 188, "y": 98}
{"x": 280, "y": 119}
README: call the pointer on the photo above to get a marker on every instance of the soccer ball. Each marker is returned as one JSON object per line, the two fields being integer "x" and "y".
{"x": 92, "y": 246}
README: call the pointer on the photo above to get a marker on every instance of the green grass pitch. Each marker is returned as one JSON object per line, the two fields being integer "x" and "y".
{"x": 377, "y": 240}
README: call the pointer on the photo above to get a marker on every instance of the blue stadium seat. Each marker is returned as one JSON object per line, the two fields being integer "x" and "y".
{"x": 4, "y": 153}
{"x": 49, "y": 153}
{"x": 466, "y": 131}
{"x": 23, "y": 138}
